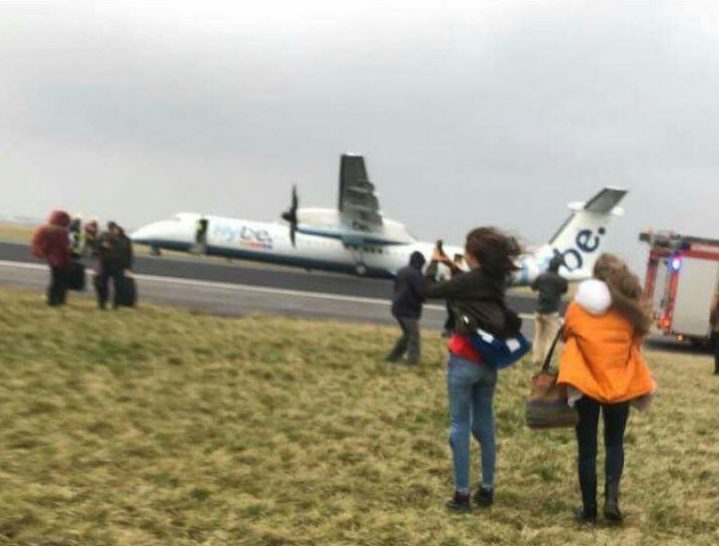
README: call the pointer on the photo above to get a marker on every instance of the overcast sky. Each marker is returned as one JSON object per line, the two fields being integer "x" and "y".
{"x": 468, "y": 113}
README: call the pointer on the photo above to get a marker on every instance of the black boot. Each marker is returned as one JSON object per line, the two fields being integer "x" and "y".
{"x": 588, "y": 486}
{"x": 611, "y": 501}
{"x": 587, "y": 514}
{"x": 459, "y": 503}
{"x": 484, "y": 496}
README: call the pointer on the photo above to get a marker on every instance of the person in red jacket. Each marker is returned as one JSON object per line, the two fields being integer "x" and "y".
{"x": 51, "y": 242}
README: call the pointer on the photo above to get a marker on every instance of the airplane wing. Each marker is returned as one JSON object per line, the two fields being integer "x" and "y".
{"x": 358, "y": 203}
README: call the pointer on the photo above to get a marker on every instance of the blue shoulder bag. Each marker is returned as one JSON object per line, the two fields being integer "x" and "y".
{"x": 501, "y": 353}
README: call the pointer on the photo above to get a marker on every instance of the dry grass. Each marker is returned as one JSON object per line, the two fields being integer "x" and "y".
{"x": 16, "y": 233}
{"x": 166, "y": 427}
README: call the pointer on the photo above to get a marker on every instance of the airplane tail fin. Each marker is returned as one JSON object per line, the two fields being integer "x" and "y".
{"x": 580, "y": 240}
{"x": 357, "y": 198}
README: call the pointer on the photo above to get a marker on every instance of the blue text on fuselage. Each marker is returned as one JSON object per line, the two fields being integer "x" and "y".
{"x": 587, "y": 242}
{"x": 242, "y": 234}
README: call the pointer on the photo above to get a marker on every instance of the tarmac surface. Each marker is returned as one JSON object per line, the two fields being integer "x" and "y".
{"x": 243, "y": 288}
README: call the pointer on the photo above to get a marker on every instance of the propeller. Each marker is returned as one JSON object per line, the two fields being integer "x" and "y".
{"x": 290, "y": 215}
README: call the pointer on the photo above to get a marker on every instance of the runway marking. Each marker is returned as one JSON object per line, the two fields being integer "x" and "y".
{"x": 249, "y": 288}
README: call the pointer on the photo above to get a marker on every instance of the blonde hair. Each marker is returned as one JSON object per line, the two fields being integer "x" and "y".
{"x": 626, "y": 290}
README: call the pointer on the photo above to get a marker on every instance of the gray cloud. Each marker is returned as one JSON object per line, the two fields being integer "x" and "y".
{"x": 467, "y": 113}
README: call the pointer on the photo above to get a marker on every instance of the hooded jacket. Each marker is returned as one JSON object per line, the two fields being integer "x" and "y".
{"x": 408, "y": 291}
{"x": 52, "y": 241}
{"x": 602, "y": 357}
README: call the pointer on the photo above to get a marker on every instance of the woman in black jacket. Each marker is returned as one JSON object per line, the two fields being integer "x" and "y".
{"x": 477, "y": 300}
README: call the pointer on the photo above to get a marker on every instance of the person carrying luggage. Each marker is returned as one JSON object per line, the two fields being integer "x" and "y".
{"x": 551, "y": 286}
{"x": 114, "y": 257}
{"x": 51, "y": 242}
{"x": 605, "y": 372}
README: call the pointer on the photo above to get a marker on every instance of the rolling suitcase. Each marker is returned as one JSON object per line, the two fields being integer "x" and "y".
{"x": 76, "y": 277}
{"x": 127, "y": 291}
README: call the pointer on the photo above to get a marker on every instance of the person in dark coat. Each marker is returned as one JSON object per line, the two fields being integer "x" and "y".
{"x": 114, "y": 257}
{"x": 550, "y": 286}
{"x": 51, "y": 242}
{"x": 477, "y": 300}
{"x": 124, "y": 250}
{"x": 407, "y": 309}
{"x": 714, "y": 323}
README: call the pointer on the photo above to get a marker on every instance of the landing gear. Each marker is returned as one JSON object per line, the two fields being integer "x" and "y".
{"x": 357, "y": 252}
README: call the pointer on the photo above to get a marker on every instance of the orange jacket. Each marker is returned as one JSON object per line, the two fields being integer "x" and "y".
{"x": 602, "y": 355}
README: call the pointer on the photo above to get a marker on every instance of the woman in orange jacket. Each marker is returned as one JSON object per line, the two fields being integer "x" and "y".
{"x": 603, "y": 369}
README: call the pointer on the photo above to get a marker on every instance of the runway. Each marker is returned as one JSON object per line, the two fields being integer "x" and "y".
{"x": 237, "y": 289}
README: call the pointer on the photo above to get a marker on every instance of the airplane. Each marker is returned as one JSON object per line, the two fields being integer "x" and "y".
{"x": 356, "y": 238}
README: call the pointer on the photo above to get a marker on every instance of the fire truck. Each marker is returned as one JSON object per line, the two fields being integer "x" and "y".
{"x": 682, "y": 277}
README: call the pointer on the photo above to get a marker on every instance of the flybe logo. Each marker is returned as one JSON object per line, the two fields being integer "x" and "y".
{"x": 586, "y": 242}
{"x": 243, "y": 236}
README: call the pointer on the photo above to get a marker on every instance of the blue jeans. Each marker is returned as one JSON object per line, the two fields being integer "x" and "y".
{"x": 470, "y": 388}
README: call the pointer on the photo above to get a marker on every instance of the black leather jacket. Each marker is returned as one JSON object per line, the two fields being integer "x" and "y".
{"x": 477, "y": 301}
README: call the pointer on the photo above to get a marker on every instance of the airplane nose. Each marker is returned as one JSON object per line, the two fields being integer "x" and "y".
{"x": 143, "y": 235}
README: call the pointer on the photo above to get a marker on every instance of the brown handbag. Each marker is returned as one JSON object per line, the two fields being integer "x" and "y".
{"x": 547, "y": 404}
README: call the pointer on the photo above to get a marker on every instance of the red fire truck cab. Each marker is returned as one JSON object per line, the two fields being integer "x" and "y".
{"x": 682, "y": 276}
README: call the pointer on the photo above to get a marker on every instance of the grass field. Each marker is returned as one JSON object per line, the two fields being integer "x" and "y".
{"x": 159, "y": 426}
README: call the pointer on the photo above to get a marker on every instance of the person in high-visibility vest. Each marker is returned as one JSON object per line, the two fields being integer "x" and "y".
{"x": 76, "y": 237}
{"x": 91, "y": 233}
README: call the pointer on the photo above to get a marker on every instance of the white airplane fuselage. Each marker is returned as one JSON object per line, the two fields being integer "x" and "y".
{"x": 334, "y": 250}
{"x": 329, "y": 246}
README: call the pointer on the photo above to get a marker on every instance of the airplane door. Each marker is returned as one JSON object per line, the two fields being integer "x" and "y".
{"x": 201, "y": 230}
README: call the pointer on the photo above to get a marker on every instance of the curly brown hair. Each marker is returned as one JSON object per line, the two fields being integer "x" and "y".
{"x": 495, "y": 251}
{"x": 627, "y": 294}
